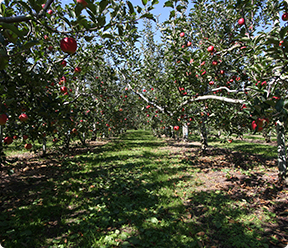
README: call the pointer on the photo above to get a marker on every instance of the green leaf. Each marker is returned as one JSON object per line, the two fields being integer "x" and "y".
{"x": 168, "y": 4}
{"x": 155, "y": 2}
{"x": 103, "y": 4}
{"x": 144, "y": 2}
{"x": 279, "y": 105}
{"x": 30, "y": 44}
{"x": 72, "y": 13}
{"x": 107, "y": 35}
{"x": 2, "y": 40}
{"x": 131, "y": 8}
{"x": 283, "y": 32}
{"x": 270, "y": 102}
{"x": 78, "y": 9}
{"x": 88, "y": 38}
{"x": 139, "y": 9}
{"x": 120, "y": 30}
{"x": 12, "y": 28}
{"x": 180, "y": 7}
{"x": 148, "y": 16}
{"x": 101, "y": 20}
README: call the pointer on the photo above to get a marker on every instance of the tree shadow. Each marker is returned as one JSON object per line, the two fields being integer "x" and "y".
{"x": 115, "y": 199}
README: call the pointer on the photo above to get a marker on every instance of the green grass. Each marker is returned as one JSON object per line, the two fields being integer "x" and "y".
{"x": 265, "y": 150}
{"x": 17, "y": 147}
{"x": 129, "y": 193}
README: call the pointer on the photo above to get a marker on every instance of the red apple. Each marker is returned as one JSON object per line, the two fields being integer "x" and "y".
{"x": 285, "y": 17}
{"x": 176, "y": 128}
{"x": 50, "y": 48}
{"x": 214, "y": 63}
{"x": 43, "y": 5}
{"x": 50, "y": 11}
{"x": 3, "y": 119}
{"x": 68, "y": 45}
{"x": 241, "y": 21}
{"x": 83, "y": 2}
{"x": 210, "y": 49}
{"x": 189, "y": 43}
{"x": 63, "y": 63}
{"x": 28, "y": 146}
{"x": 211, "y": 82}
{"x": 77, "y": 69}
{"x": 23, "y": 117}
{"x": 182, "y": 34}
{"x": 63, "y": 79}
{"x": 259, "y": 123}
{"x": 63, "y": 89}
{"x": 25, "y": 137}
{"x": 15, "y": 137}
{"x": 8, "y": 140}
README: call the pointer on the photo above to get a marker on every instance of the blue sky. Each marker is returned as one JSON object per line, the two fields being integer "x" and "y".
{"x": 159, "y": 9}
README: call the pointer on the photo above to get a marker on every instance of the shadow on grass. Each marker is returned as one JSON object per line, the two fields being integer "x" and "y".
{"x": 119, "y": 200}
{"x": 229, "y": 159}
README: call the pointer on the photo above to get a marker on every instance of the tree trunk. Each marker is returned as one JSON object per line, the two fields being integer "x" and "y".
{"x": 267, "y": 135}
{"x": 2, "y": 155}
{"x": 281, "y": 150}
{"x": 203, "y": 135}
{"x": 82, "y": 139}
{"x": 94, "y": 133}
{"x": 44, "y": 147}
{"x": 185, "y": 132}
{"x": 67, "y": 141}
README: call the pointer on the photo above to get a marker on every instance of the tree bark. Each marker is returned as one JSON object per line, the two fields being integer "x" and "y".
{"x": 203, "y": 134}
{"x": 185, "y": 132}
{"x": 2, "y": 155}
{"x": 281, "y": 150}
{"x": 44, "y": 147}
{"x": 267, "y": 135}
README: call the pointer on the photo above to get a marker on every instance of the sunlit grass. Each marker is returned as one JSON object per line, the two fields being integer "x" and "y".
{"x": 129, "y": 193}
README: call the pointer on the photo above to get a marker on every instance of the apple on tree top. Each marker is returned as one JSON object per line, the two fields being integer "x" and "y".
{"x": 8, "y": 140}
{"x": 241, "y": 21}
{"x": 3, "y": 119}
{"x": 63, "y": 89}
{"x": 83, "y": 2}
{"x": 77, "y": 69}
{"x": 68, "y": 45}
{"x": 210, "y": 49}
{"x": 23, "y": 117}
{"x": 64, "y": 63}
{"x": 176, "y": 128}
{"x": 182, "y": 34}
{"x": 285, "y": 17}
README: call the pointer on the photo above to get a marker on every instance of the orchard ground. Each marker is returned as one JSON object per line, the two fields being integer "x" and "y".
{"x": 140, "y": 191}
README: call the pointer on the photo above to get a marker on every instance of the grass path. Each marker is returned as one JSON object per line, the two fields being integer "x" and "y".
{"x": 139, "y": 192}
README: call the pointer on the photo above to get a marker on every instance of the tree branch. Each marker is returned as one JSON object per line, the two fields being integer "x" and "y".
{"x": 26, "y": 18}
{"x": 207, "y": 97}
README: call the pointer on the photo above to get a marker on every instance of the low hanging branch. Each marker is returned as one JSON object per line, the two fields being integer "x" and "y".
{"x": 219, "y": 98}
